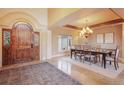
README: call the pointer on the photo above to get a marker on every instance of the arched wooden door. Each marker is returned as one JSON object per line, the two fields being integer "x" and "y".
{"x": 24, "y": 43}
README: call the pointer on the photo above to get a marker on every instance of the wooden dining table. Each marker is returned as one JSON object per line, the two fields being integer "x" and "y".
{"x": 104, "y": 53}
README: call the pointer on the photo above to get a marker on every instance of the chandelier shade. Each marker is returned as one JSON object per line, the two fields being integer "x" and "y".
{"x": 86, "y": 31}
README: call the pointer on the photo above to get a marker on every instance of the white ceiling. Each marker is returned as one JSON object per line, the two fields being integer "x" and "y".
{"x": 96, "y": 18}
{"x": 75, "y": 17}
{"x": 93, "y": 15}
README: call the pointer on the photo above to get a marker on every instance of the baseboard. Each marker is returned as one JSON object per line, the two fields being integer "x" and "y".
{"x": 53, "y": 56}
{"x": 59, "y": 55}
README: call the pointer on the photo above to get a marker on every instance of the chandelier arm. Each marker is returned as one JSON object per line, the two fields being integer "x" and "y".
{"x": 86, "y": 31}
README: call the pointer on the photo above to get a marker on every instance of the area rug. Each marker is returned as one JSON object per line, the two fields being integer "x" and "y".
{"x": 38, "y": 74}
{"x": 108, "y": 72}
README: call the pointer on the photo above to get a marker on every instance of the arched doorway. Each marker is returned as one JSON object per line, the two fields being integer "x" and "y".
{"x": 23, "y": 45}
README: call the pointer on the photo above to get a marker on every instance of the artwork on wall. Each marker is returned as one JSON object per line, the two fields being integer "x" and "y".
{"x": 100, "y": 38}
{"x": 109, "y": 38}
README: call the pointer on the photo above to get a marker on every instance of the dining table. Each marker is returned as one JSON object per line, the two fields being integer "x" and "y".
{"x": 103, "y": 52}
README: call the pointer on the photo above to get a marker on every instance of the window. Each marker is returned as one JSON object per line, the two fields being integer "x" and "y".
{"x": 6, "y": 38}
{"x": 64, "y": 42}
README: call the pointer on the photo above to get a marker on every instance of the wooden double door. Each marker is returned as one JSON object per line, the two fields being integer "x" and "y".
{"x": 20, "y": 44}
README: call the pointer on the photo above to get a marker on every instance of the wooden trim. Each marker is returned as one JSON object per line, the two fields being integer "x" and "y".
{"x": 108, "y": 23}
{"x": 115, "y": 13}
{"x": 115, "y": 21}
{"x": 72, "y": 27}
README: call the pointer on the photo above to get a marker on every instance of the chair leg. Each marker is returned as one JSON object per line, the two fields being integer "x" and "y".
{"x": 80, "y": 58}
{"x": 75, "y": 58}
{"x": 102, "y": 63}
{"x": 110, "y": 62}
{"x": 83, "y": 60}
{"x": 115, "y": 65}
{"x": 99, "y": 58}
{"x": 89, "y": 59}
{"x": 96, "y": 59}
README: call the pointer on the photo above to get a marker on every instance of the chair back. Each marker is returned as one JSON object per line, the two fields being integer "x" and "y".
{"x": 82, "y": 47}
{"x": 117, "y": 54}
{"x": 87, "y": 47}
{"x": 98, "y": 47}
{"x": 77, "y": 47}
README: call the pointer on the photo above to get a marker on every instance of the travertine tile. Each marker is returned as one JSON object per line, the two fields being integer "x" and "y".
{"x": 85, "y": 76}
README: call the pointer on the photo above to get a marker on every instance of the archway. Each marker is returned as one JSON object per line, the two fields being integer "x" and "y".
{"x": 23, "y": 45}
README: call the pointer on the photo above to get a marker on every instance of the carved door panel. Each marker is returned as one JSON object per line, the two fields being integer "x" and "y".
{"x": 6, "y": 46}
{"x": 21, "y": 43}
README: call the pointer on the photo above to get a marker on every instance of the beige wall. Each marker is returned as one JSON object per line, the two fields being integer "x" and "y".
{"x": 123, "y": 41}
{"x": 77, "y": 39}
{"x": 116, "y": 29}
{"x": 55, "y": 35}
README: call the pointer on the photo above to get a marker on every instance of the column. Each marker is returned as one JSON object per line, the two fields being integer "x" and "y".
{"x": 49, "y": 44}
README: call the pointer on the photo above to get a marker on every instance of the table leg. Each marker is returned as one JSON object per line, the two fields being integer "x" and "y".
{"x": 104, "y": 60}
{"x": 71, "y": 53}
{"x": 75, "y": 55}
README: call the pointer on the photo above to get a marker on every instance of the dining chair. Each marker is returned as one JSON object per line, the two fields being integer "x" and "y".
{"x": 81, "y": 47}
{"x": 98, "y": 48}
{"x": 88, "y": 55}
{"x": 77, "y": 52}
{"x": 80, "y": 55}
{"x": 114, "y": 59}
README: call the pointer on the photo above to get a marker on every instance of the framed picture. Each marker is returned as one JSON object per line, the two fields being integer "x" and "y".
{"x": 100, "y": 38}
{"x": 109, "y": 38}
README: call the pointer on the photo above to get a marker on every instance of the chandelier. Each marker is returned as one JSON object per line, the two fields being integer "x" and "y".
{"x": 86, "y": 31}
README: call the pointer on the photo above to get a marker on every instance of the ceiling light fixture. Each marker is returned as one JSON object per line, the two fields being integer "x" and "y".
{"x": 86, "y": 31}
